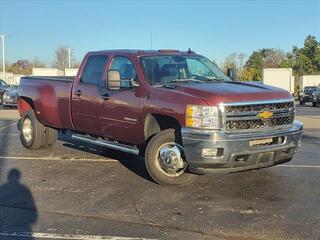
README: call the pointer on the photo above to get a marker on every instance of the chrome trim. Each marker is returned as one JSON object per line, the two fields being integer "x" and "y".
{"x": 109, "y": 144}
{"x": 276, "y": 111}
{"x": 255, "y": 117}
{"x": 259, "y": 102}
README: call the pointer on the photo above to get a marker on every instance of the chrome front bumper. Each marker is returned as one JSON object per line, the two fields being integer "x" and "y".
{"x": 234, "y": 152}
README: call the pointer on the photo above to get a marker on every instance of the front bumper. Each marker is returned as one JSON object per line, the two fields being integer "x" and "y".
{"x": 307, "y": 98}
{"x": 234, "y": 152}
{"x": 9, "y": 102}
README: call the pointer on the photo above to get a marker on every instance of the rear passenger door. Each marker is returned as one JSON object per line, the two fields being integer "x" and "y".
{"x": 86, "y": 95}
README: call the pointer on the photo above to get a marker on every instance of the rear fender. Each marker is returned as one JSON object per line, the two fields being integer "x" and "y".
{"x": 24, "y": 105}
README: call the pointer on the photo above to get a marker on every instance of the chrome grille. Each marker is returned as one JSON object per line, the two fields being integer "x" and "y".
{"x": 245, "y": 116}
{"x": 258, "y": 107}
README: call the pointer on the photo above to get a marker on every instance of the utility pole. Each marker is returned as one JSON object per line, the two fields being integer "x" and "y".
{"x": 69, "y": 54}
{"x": 3, "y": 58}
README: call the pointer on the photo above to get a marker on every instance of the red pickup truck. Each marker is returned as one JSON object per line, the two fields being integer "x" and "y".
{"x": 178, "y": 109}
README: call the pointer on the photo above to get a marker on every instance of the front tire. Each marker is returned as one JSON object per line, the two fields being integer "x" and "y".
{"x": 32, "y": 131}
{"x": 165, "y": 160}
{"x": 314, "y": 104}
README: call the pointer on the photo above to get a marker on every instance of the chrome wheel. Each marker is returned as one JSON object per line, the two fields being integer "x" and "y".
{"x": 27, "y": 129}
{"x": 171, "y": 159}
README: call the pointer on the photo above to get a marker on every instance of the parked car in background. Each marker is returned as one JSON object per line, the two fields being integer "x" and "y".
{"x": 3, "y": 87}
{"x": 316, "y": 97}
{"x": 306, "y": 95}
{"x": 10, "y": 96}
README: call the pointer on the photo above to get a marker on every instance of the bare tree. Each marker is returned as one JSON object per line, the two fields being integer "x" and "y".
{"x": 235, "y": 61}
{"x": 273, "y": 58}
{"x": 36, "y": 63}
{"x": 61, "y": 58}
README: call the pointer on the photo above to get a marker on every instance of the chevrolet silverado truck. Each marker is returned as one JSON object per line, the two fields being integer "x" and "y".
{"x": 177, "y": 109}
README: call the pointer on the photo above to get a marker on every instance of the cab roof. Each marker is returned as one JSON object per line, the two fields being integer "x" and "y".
{"x": 139, "y": 52}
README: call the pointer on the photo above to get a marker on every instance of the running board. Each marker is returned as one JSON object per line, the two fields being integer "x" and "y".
{"x": 108, "y": 144}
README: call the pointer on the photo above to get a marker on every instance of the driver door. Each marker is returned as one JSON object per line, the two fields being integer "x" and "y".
{"x": 120, "y": 116}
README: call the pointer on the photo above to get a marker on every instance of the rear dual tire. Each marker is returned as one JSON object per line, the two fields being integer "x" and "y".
{"x": 34, "y": 135}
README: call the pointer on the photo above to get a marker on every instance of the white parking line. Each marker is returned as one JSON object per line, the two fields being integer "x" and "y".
{"x": 298, "y": 166}
{"x": 61, "y": 159}
{"x": 65, "y": 236}
{"x": 2, "y": 128}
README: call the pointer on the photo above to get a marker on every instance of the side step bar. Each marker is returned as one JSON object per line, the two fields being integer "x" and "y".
{"x": 108, "y": 144}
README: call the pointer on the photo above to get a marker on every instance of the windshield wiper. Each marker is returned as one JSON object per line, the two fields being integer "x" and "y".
{"x": 216, "y": 79}
{"x": 207, "y": 79}
{"x": 180, "y": 80}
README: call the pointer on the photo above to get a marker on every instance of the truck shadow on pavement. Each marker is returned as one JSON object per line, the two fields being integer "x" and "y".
{"x": 134, "y": 163}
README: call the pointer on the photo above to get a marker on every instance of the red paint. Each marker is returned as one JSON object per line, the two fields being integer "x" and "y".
{"x": 60, "y": 107}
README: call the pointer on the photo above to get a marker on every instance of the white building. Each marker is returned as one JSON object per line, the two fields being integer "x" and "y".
{"x": 70, "y": 71}
{"x": 11, "y": 78}
{"x": 50, "y": 72}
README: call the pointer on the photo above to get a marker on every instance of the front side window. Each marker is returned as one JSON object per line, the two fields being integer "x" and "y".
{"x": 94, "y": 68}
{"x": 171, "y": 68}
{"x": 126, "y": 70}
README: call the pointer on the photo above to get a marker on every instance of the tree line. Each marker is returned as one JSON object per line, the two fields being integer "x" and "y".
{"x": 61, "y": 62}
{"x": 303, "y": 61}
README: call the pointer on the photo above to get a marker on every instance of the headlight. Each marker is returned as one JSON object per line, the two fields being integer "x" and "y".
{"x": 202, "y": 117}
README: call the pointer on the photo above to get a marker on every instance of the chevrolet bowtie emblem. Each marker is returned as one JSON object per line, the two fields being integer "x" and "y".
{"x": 265, "y": 115}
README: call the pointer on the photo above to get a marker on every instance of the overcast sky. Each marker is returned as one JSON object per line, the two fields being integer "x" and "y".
{"x": 212, "y": 28}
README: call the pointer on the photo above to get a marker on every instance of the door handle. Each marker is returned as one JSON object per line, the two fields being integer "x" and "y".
{"x": 78, "y": 93}
{"x": 105, "y": 96}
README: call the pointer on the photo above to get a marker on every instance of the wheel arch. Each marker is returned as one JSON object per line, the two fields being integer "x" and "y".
{"x": 154, "y": 123}
{"x": 25, "y": 104}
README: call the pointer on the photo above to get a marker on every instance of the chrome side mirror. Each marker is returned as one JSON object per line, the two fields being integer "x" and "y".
{"x": 113, "y": 79}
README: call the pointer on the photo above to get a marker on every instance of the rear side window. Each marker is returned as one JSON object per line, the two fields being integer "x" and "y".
{"x": 94, "y": 68}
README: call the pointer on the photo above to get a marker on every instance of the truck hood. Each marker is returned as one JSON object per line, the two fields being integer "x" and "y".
{"x": 235, "y": 91}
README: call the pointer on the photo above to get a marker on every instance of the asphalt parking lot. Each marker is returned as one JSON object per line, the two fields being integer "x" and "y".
{"x": 79, "y": 191}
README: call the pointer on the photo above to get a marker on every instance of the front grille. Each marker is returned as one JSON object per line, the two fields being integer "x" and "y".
{"x": 258, "y": 107}
{"x": 246, "y": 117}
{"x": 258, "y": 123}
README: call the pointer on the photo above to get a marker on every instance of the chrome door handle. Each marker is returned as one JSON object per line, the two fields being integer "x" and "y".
{"x": 105, "y": 96}
{"x": 78, "y": 93}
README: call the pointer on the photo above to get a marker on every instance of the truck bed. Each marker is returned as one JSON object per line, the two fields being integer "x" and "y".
{"x": 51, "y": 98}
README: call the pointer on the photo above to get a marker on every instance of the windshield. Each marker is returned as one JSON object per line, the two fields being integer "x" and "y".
{"x": 309, "y": 89}
{"x": 2, "y": 83}
{"x": 171, "y": 68}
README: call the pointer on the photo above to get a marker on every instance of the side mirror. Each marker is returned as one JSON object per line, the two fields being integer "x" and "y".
{"x": 113, "y": 79}
{"x": 232, "y": 73}
{"x": 134, "y": 83}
